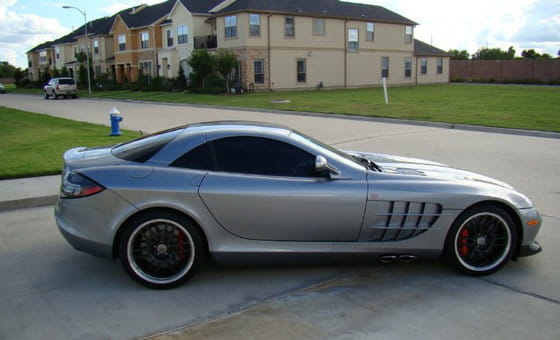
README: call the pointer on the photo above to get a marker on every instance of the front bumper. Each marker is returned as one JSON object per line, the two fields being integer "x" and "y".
{"x": 529, "y": 249}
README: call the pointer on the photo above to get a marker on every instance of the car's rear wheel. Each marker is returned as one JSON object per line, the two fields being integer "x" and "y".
{"x": 481, "y": 240}
{"x": 160, "y": 249}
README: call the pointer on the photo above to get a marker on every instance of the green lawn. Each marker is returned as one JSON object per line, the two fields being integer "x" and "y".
{"x": 33, "y": 144}
{"x": 522, "y": 107}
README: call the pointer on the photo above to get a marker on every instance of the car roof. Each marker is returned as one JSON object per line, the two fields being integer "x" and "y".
{"x": 239, "y": 126}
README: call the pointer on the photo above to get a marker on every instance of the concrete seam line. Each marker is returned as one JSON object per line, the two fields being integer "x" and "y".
{"x": 521, "y": 291}
{"x": 28, "y": 203}
{"x": 249, "y": 306}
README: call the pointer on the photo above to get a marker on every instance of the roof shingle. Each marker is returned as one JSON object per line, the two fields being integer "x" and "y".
{"x": 329, "y": 8}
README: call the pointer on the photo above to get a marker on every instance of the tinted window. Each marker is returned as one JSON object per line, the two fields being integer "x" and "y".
{"x": 66, "y": 81}
{"x": 198, "y": 158}
{"x": 143, "y": 148}
{"x": 262, "y": 156}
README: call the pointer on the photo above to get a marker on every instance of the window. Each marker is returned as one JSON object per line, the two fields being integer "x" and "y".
{"x": 439, "y": 65}
{"x": 144, "y": 40}
{"x": 96, "y": 46}
{"x": 231, "y": 26}
{"x": 384, "y": 67}
{"x": 97, "y": 70}
{"x": 43, "y": 57}
{"x": 182, "y": 34}
{"x": 254, "y": 25}
{"x": 262, "y": 156}
{"x": 169, "y": 35}
{"x": 408, "y": 34}
{"x": 143, "y": 148}
{"x": 370, "y": 31}
{"x": 353, "y": 43}
{"x": 301, "y": 70}
{"x": 423, "y": 65}
{"x": 145, "y": 68}
{"x": 258, "y": 66}
{"x": 122, "y": 42}
{"x": 319, "y": 26}
{"x": 407, "y": 67}
{"x": 57, "y": 51}
{"x": 198, "y": 158}
{"x": 289, "y": 27}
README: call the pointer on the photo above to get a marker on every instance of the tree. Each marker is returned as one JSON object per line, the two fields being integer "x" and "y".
{"x": 486, "y": 53}
{"x": 181, "y": 80}
{"x": 532, "y": 54}
{"x": 202, "y": 65}
{"x": 82, "y": 75}
{"x": 459, "y": 55}
{"x": 56, "y": 73}
{"x": 225, "y": 61}
{"x": 64, "y": 72}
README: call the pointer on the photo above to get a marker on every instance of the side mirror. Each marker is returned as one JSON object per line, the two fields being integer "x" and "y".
{"x": 323, "y": 168}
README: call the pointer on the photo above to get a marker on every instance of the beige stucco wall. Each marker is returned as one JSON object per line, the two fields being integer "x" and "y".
{"x": 326, "y": 56}
{"x": 431, "y": 76}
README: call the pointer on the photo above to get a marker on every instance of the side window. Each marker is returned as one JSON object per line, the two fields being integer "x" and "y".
{"x": 262, "y": 156}
{"x": 198, "y": 158}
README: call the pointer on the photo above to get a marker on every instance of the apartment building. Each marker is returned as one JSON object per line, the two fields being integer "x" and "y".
{"x": 281, "y": 44}
{"x": 320, "y": 43}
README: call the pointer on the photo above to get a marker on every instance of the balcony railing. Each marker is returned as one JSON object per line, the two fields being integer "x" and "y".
{"x": 205, "y": 42}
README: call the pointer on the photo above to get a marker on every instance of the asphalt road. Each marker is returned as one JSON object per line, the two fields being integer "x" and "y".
{"x": 49, "y": 290}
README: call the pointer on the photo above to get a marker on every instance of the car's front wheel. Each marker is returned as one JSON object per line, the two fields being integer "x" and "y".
{"x": 45, "y": 94}
{"x": 160, "y": 249}
{"x": 481, "y": 240}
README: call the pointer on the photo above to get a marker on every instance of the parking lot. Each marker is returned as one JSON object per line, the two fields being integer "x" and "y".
{"x": 48, "y": 290}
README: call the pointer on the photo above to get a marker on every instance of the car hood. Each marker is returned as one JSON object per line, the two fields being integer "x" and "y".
{"x": 398, "y": 165}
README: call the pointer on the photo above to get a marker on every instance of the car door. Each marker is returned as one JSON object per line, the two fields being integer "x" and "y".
{"x": 267, "y": 189}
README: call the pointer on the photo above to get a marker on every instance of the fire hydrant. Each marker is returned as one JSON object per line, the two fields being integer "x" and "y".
{"x": 116, "y": 118}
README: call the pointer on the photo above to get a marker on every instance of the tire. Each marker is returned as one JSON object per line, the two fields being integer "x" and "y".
{"x": 160, "y": 249}
{"x": 75, "y": 96}
{"x": 481, "y": 241}
{"x": 55, "y": 95}
{"x": 46, "y": 95}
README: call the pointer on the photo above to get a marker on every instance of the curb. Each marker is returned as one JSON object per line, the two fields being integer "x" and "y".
{"x": 25, "y": 203}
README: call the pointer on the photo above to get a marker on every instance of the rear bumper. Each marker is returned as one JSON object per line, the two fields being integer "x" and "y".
{"x": 529, "y": 249}
{"x": 81, "y": 244}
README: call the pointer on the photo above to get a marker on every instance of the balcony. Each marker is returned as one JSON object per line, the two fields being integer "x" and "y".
{"x": 205, "y": 42}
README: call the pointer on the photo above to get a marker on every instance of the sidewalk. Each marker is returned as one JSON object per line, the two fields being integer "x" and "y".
{"x": 28, "y": 192}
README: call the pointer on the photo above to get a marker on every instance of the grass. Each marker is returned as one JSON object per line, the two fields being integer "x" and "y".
{"x": 33, "y": 144}
{"x": 521, "y": 107}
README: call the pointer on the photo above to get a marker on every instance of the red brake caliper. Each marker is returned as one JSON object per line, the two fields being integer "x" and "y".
{"x": 181, "y": 246}
{"x": 463, "y": 249}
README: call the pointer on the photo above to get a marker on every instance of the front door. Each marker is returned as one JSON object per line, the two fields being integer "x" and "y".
{"x": 265, "y": 189}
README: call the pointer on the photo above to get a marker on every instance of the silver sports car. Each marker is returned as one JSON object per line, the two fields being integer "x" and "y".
{"x": 162, "y": 202}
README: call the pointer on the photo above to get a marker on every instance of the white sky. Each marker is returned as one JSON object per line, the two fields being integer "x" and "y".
{"x": 450, "y": 24}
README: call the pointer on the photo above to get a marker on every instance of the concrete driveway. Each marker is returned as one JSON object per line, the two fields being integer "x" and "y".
{"x": 48, "y": 290}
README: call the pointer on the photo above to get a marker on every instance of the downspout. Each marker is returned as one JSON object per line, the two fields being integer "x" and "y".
{"x": 154, "y": 54}
{"x": 416, "y": 72}
{"x": 268, "y": 64}
{"x": 345, "y": 53}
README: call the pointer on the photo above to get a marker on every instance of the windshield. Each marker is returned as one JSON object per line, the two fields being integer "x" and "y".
{"x": 328, "y": 147}
{"x": 143, "y": 148}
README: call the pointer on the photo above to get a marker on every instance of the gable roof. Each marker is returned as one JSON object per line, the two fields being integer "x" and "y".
{"x": 41, "y": 46}
{"x": 427, "y": 50}
{"x": 200, "y": 6}
{"x": 323, "y": 8}
{"x": 142, "y": 16}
